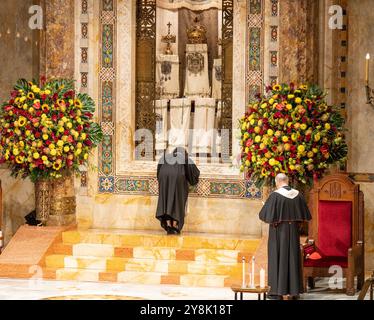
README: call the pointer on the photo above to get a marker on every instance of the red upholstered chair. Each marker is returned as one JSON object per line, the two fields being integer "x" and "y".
{"x": 337, "y": 231}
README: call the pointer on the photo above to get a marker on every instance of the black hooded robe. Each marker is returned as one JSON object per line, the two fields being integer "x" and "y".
{"x": 175, "y": 172}
{"x": 284, "y": 211}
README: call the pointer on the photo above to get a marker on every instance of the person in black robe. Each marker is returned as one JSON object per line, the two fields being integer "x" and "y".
{"x": 175, "y": 172}
{"x": 284, "y": 211}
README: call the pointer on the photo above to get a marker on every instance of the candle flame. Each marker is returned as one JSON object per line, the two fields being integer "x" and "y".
{"x": 368, "y": 56}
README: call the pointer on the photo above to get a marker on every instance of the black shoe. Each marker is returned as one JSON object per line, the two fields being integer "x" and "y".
{"x": 274, "y": 297}
{"x": 177, "y": 231}
{"x": 170, "y": 230}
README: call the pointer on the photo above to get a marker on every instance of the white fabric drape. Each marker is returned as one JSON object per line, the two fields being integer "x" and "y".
{"x": 197, "y": 83}
{"x": 203, "y": 134}
{"x": 161, "y": 124}
{"x": 167, "y": 75}
{"x": 180, "y": 114}
{"x": 190, "y": 4}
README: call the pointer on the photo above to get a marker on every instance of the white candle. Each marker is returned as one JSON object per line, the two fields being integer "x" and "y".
{"x": 262, "y": 278}
{"x": 253, "y": 272}
{"x": 243, "y": 276}
{"x": 367, "y": 69}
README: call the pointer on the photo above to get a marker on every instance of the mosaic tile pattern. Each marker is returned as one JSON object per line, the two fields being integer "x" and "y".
{"x": 255, "y": 22}
{"x": 206, "y": 187}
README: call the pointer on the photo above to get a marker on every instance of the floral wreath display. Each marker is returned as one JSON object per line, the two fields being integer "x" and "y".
{"x": 47, "y": 129}
{"x": 291, "y": 130}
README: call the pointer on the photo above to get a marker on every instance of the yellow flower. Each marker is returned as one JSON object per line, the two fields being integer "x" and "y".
{"x": 327, "y": 126}
{"x": 47, "y": 92}
{"x": 20, "y": 159}
{"x": 84, "y": 136}
{"x": 272, "y": 162}
{"x": 45, "y": 107}
{"x": 291, "y": 96}
{"x": 303, "y": 126}
{"x": 281, "y": 122}
{"x": 270, "y": 132}
{"x": 36, "y": 155}
{"x": 60, "y": 143}
{"x": 31, "y": 96}
{"x": 271, "y": 101}
{"x": 289, "y": 106}
{"x": 264, "y": 105}
{"x": 22, "y": 121}
{"x": 294, "y": 137}
{"x": 69, "y": 125}
{"x": 15, "y": 152}
{"x": 78, "y": 103}
{"x": 285, "y": 139}
{"x": 310, "y": 154}
{"x": 301, "y": 149}
{"x": 52, "y": 146}
{"x": 45, "y": 137}
{"x": 257, "y": 129}
{"x": 35, "y": 89}
{"x": 85, "y": 157}
{"x": 258, "y": 139}
{"x": 66, "y": 149}
{"x": 317, "y": 137}
{"x": 277, "y": 87}
{"x": 298, "y": 100}
{"x": 78, "y": 152}
{"x": 56, "y": 166}
{"x": 53, "y": 152}
{"x": 304, "y": 87}
{"x": 44, "y": 158}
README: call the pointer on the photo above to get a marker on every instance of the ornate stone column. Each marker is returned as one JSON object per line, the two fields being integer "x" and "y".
{"x": 57, "y": 61}
{"x": 298, "y": 41}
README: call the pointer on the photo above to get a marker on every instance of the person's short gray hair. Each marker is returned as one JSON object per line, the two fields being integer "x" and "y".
{"x": 281, "y": 177}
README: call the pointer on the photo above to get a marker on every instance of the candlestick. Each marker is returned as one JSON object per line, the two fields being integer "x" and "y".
{"x": 262, "y": 278}
{"x": 367, "y": 69}
{"x": 243, "y": 276}
{"x": 253, "y": 272}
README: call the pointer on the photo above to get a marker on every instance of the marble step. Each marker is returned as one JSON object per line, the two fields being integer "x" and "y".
{"x": 149, "y": 278}
{"x": 154, "y": 253}
{"x": 115, "y": 264}
{"x": 152, "y": 239}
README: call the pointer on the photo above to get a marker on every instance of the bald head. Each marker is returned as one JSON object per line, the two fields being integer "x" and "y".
{"x": 281, "y": 180}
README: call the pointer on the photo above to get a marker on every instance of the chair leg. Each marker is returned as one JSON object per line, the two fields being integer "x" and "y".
{"x": 311, "y": 282}
{"x": 350, "y": 285}
{"x": 360, "y": 281}
{"x": 305, "y": 286}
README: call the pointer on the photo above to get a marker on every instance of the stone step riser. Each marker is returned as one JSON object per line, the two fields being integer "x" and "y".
{"x": 147, "y": 278}
{"x": 184, "y": 242}
{"x": 121, "y": 264}
{"x": 158, "y": 254}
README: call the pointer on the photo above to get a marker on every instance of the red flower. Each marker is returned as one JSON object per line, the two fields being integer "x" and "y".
{"x": 279, "y": 106}
{"x": 248, "y": 143}
{"x": 37, "y": 135}
{"x": 14, "y": 94}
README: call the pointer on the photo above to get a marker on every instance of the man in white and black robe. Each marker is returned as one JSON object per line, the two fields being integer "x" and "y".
{"x": 284, "y": 211}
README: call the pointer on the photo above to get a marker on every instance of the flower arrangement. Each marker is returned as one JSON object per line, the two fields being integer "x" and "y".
{"x": 291, "y": 130}
{"x": 47, "y": 129}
